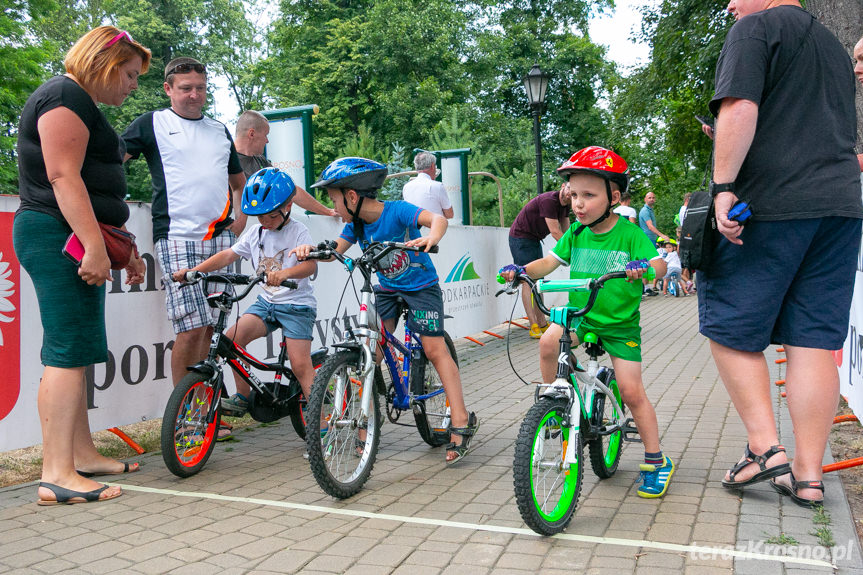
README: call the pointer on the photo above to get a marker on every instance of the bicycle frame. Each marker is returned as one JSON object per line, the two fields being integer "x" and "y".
{"x": 224, "y": 350}
{"x": 577, "y": 385}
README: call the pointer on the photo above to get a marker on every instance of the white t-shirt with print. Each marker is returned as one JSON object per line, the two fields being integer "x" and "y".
{"x": 672, "y": 260}
{"x": 268, "y": 251}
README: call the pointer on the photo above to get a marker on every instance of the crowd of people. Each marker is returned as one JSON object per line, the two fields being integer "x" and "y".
{"x": 786, "y": 277}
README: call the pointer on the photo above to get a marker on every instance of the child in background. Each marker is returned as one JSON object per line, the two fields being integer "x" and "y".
{"x": 675, "y": 270}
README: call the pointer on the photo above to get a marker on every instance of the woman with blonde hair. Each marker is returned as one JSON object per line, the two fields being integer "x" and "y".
{"x": 70, "y": 171}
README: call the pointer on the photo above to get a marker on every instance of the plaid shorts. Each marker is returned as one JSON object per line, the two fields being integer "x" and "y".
{"x": 187, "y": 307}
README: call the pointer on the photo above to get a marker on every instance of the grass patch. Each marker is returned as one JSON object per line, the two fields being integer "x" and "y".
{"x": 825, "y": 536}
{"x": 781, "y": 539}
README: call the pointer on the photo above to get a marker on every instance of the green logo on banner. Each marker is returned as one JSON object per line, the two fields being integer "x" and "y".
{"x": 462, "y": 271}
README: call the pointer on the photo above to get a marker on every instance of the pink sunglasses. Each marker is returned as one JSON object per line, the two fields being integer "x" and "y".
{"x": 117, "y": 38}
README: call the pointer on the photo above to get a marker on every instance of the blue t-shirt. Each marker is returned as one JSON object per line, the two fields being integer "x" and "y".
{"x": 401, "y": 270}
{"x": 644, "y": 216}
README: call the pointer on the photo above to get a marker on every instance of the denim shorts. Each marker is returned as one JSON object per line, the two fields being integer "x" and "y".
{"x": 425, "y": 305}
{"x": 296, "y": 321}
{"x": 524, "y": 250}
{"x": 791, "y": 282}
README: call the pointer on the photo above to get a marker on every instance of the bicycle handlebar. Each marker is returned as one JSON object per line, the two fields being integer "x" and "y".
{"x": 538, "y": 287}
{"x": 372, "y": 255}
{"x": 193, "y": 277}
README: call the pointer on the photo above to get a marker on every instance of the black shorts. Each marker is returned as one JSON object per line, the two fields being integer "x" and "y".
{"x": 524, "y": 250}
{"x": 426, "y": 308}
{"x": 791, "y": 282}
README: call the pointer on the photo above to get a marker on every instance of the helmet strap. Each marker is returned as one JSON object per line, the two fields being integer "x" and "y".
{"x": 355, "y": 215}
{"x": 607, "y": 213}
{"x": 285, "y": 217}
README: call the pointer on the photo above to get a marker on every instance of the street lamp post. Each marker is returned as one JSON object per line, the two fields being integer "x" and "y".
{"x": 535, "y": 84}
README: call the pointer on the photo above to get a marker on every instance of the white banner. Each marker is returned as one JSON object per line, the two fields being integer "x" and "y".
{"x": 850, "y": 358}
{"x": 136, "y": 381}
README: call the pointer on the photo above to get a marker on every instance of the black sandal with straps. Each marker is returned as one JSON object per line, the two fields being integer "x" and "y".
{"x": 466, "y": 434}
{"x": 761, "y": 460}
{"x": 795, "y": 485}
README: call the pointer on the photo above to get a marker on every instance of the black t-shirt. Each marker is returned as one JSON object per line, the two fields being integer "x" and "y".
{"x": 801, "y": 163}
{"x": 102, "y": 170}
{"x": 252, "y": 164}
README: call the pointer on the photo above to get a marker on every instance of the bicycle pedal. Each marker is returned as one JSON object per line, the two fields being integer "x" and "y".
{"x": 629, "y": 429}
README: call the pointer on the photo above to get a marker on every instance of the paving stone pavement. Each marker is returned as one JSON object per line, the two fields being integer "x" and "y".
{"x": 255, "y": 508}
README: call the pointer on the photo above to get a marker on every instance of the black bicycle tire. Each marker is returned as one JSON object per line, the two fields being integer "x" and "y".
{"x": 427, "y": 432}
{"x": 523, "y": 463}
{"x": 169, "y": 427}
{"x": 315, "y": 444}
{"x": 597, "y": 447}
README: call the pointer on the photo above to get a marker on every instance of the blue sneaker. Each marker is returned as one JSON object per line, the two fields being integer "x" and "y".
{"x": 655, "y": 479}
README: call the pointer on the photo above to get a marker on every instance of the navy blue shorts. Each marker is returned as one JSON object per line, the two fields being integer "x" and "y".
{"x": 791, "y": 282}
{"x": 426, "y": 308}
{"x": 524, "y": 250}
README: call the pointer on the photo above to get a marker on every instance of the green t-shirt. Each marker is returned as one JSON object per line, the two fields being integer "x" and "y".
{"x": 590, "y": 255}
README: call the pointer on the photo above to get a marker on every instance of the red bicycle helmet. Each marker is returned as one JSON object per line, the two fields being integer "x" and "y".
{"x": 599, "y": 162}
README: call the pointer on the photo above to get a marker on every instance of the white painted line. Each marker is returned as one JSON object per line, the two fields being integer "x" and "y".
{"x": 708, "y": 552}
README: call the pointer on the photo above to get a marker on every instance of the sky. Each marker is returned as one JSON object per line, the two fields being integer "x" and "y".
{"x": 613, "y": 31}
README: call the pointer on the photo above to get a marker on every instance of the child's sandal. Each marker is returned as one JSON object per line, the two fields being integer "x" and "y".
{"x": 466, "y": 434}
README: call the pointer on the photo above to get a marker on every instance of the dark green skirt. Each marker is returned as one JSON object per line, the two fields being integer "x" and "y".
{"x": 73, "y": 313}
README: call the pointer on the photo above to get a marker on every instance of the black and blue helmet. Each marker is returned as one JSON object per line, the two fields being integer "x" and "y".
{"x": 266, "y": 191}
{"x": 360, "y": 174}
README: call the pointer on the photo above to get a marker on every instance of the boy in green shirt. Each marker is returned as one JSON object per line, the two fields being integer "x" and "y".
{"x": 599, "y": 242}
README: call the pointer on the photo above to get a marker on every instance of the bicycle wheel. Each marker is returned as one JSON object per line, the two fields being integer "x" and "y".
{"x": 605, "y": 450}
{"x": 546, "y": 490}
{"x": 187, "y": 438}
{"x": 297, "y": 411}
{"x": 432, "y": 415}
{"x": 341, "y": 460}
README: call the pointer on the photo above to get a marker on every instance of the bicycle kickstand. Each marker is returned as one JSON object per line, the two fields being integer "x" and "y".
{"x": 629, "y": 429}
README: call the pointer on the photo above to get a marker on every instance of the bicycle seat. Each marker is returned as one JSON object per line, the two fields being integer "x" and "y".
{"x": 593, "y": 344}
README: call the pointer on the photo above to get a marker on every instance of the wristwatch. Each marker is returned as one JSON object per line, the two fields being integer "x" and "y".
{"x": 719, "y": 188}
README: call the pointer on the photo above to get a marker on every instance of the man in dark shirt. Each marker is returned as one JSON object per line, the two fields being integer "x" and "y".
{"x": 784, "y": 143}
{"x": 251, "y": 140}
{"x": 548, "y": 213}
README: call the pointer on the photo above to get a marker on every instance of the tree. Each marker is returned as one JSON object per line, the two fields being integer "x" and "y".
{"x": 845, "y": 19}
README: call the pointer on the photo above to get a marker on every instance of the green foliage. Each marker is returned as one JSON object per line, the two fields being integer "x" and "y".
{"x": 654, "y": 108}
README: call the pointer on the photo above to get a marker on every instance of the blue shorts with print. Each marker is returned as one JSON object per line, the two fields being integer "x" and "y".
{"x": 791, "y": 283}
{"x": 296, "y": 321}
{"x": 425, "y": 305}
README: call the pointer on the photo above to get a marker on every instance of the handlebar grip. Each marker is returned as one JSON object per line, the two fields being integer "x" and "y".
{"x": 500, "y": 279}
{"x": 319, "y": 255}
{"x": 289, "y": 284}
{"x": 191, "y": 276}
{"x": 650, "y": 273}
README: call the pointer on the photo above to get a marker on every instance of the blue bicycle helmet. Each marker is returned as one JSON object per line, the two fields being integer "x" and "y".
{"x": 266, "y": 191}
{"x": 364, "y": 176}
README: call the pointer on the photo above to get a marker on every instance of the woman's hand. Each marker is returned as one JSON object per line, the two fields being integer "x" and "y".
{"x": 95, "y": 266}
{"x": 136, "y": 269}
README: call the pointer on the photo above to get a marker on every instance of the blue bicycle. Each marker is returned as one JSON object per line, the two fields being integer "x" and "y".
{"x": 348, "y": 385}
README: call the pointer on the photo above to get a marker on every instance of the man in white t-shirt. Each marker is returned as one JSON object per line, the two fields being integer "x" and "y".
{"x": 423, "y": 191}
{"x": 625, "y": 210}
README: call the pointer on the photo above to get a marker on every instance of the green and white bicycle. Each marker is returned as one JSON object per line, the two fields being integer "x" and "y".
{"x": 582, "y": 405}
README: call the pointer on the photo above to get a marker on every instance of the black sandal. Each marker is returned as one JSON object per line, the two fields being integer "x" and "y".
{"x": 795, "y": 485}
{"x": 466, "y": 434}
{"x": 761, "y": 460}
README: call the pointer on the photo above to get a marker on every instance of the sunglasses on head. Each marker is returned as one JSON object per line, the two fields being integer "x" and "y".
{"x": 117, "y": 38}
{"x": 186, "y": 68}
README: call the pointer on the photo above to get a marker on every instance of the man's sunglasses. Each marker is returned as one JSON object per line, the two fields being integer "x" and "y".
{"x": 123, "y": 34}
{"x": 186, "y": 68}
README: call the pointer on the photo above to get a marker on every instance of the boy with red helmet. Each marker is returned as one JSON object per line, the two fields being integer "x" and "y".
{"x": 600, "y": 241}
